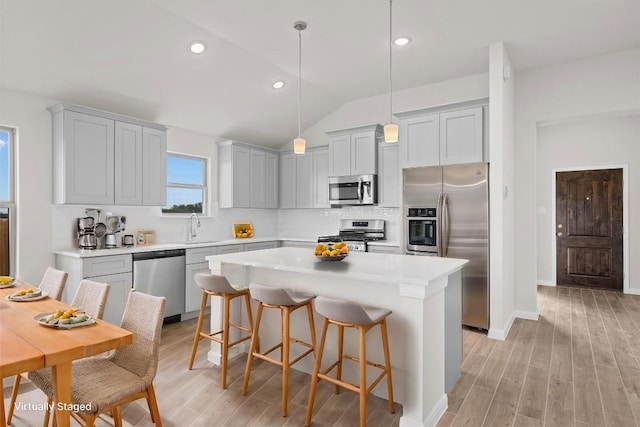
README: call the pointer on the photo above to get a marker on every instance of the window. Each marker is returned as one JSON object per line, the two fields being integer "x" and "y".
{"x": 186, "y": 184}
{"x": 7, "y": 205}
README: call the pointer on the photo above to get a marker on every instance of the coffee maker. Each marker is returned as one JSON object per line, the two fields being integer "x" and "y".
{"x": 85, "y": 232}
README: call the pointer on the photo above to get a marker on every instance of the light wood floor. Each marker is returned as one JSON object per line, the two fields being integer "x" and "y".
{"x": 578, "y": 365}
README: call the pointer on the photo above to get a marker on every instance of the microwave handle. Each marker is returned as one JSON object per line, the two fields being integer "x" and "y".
{"x": 360, "y": 190}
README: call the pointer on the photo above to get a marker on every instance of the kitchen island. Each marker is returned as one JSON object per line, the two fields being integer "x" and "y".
{"x": 425, "y": 332}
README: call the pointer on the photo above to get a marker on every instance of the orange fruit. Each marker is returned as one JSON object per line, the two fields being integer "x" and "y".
{"x": 344, "y": 250}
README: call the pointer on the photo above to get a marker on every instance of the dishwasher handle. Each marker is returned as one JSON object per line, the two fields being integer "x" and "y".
{"x": 170, "y": 253}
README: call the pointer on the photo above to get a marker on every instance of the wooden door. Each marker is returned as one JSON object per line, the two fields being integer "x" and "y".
{"x": 589, "y": 228}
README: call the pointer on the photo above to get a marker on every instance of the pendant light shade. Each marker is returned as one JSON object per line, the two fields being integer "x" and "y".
{"x": 390, "y": 129}
{"x": 299, "y": 143}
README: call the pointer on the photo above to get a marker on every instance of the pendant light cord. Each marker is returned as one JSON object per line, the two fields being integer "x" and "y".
{"x": 299, "y": 77}
{"x": 390, "y": 61}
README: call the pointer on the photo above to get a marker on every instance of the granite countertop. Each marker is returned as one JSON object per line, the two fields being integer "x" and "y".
{"x": 371, "y": 267}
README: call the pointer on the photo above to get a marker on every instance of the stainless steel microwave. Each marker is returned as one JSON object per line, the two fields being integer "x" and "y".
{"x": 353, "y": 190}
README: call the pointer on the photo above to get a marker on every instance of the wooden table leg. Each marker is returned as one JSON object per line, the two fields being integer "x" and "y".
{"x": 62, "y": 386}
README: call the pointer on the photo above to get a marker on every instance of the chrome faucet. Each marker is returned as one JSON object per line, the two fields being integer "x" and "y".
{"x": 192, "y": 229}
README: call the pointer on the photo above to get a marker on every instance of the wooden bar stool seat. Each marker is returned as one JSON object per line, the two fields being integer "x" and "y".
{"x": 287, "y": 302}
{"x": 346, "y": 314}
{"x": 219, "y": 286}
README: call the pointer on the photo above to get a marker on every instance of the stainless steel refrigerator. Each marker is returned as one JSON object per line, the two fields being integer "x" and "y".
{"x": 446, "y": 211}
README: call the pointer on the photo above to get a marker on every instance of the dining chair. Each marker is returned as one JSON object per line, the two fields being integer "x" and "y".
{"x": 53, "y": 282}
{"x": 91, "y": 297}
{"x": 104, "y": 384}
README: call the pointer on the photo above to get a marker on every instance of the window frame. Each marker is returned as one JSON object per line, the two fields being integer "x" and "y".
{"x": 204, "y": 187}
{"x": 11, "y": 196}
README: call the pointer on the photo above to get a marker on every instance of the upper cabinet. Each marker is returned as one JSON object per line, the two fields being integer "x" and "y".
{"x": 304, "y": 179}
{"x": 388, "y": 175}
{"x": 354, "y": 151}
{"x": 433, "y": 138}
{"x": 247, "y": 176}
{"x": 106, "y": 158}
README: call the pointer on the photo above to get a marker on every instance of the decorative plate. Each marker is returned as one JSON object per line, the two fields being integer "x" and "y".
{"x": 41, "y": 317}
{"x": 8, "y": 284}
{"x": 26, "y": 298}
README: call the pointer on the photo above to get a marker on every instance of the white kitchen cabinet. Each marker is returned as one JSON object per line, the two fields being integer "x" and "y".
{"x": 461, "y": 134}
{"x": 105, "y": 158}
{"x": 420, "y": 141}
{"x": 299, "y": 179}
{"x": 154, "y": 167}
{"x": 83, "y": 158}
{"x": 244, "y": 172}
{"x": 297, "y": 244}
{"x": 388, "y": 175}
{"x": 448, "y": 135}
{"x": 257, "y": 187}
{"x": 128, "y": 164}
{"x": 354, "y": 151}
{"x": 271, "y": 180}
{"x": 305, "y": 180}
{"x": 195, "y": 263}
{"x": 321, "y": 174}
{"x": 288, "y": 179}
{"x": 259, "y": 245}
{"x": 116, "y": 270}
{"x": 230, "y": 249}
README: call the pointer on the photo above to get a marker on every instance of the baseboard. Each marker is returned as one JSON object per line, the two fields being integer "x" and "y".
{"x": 546, "y": 283}
{"x": 501, "y": 334}
{"x": 216, "y": 358}
{"x": 529, "y": 315}
{"x": 432, "y": 419}
{"x": 632, "y": 291}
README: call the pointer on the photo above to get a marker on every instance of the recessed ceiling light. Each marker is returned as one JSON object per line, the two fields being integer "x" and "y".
{"x": 197, "y": 47}
{"x": 278, "y": 84}
{"x": 402, "y": 41}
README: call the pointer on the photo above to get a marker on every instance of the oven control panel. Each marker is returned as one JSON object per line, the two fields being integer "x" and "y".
{"x": 421, "y": 212}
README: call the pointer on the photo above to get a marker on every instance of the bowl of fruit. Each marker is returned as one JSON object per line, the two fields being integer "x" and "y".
{"x": 331, "y": 251}
{"x": 242, "y": 230}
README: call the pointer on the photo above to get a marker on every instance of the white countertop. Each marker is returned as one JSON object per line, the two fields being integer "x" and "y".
{"x": 371, "y": 267}
{"x": 88, "y": 253}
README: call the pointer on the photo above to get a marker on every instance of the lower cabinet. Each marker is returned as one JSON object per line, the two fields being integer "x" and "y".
{"x": 193, "y": 292}
{"x": 297, "y": 244}
{"x": 259, "y": 245}
{"x": 116, "y": 270}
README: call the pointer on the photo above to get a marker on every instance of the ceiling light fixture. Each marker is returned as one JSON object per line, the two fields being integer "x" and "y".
{"x": 197, "y": 47}
{"x": 402, "y": 41}
{"x": 390, "y": 129}
{"x": 299, "y": 143}
{"x": 278, "y": 84}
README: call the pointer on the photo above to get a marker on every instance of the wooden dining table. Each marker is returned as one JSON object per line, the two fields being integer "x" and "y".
{"x": 27, "y": 345}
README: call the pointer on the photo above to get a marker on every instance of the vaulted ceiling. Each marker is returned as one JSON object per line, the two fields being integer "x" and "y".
{"x": 131, "y": 56}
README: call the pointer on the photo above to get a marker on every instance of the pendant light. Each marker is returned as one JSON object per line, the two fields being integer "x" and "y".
{"x": 299, "y": 143}
{"x": 391, "y": 129}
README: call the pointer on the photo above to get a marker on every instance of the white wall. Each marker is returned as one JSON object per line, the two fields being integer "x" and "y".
{"x": 501, "y": 190}
{"x": 598, "y": 85}
{"x": 594, "y": 141}
{"x": 29, "y": 115}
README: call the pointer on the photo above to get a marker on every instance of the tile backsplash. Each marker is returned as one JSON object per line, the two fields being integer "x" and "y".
{"x": 283, "y": 223}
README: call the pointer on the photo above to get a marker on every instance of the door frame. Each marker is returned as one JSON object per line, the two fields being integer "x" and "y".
{"x": 625, "y": 218}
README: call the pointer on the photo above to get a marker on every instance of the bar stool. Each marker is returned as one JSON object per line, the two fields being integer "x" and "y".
{"x": 287, "y": 302}
{"x": 219, "y": 286}
{"x": 345, "y": 314}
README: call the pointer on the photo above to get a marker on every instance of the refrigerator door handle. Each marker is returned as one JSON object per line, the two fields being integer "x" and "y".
{"x": 445, "y": 225}
{"x": 439, "y": 225}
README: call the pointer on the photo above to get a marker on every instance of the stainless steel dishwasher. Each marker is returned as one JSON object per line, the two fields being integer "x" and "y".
{"x": 161, "y": 273}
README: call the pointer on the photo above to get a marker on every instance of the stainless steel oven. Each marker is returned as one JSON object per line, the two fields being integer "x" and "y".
{"x": 353, "y": 190}
{"x": 422, "y": 234}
